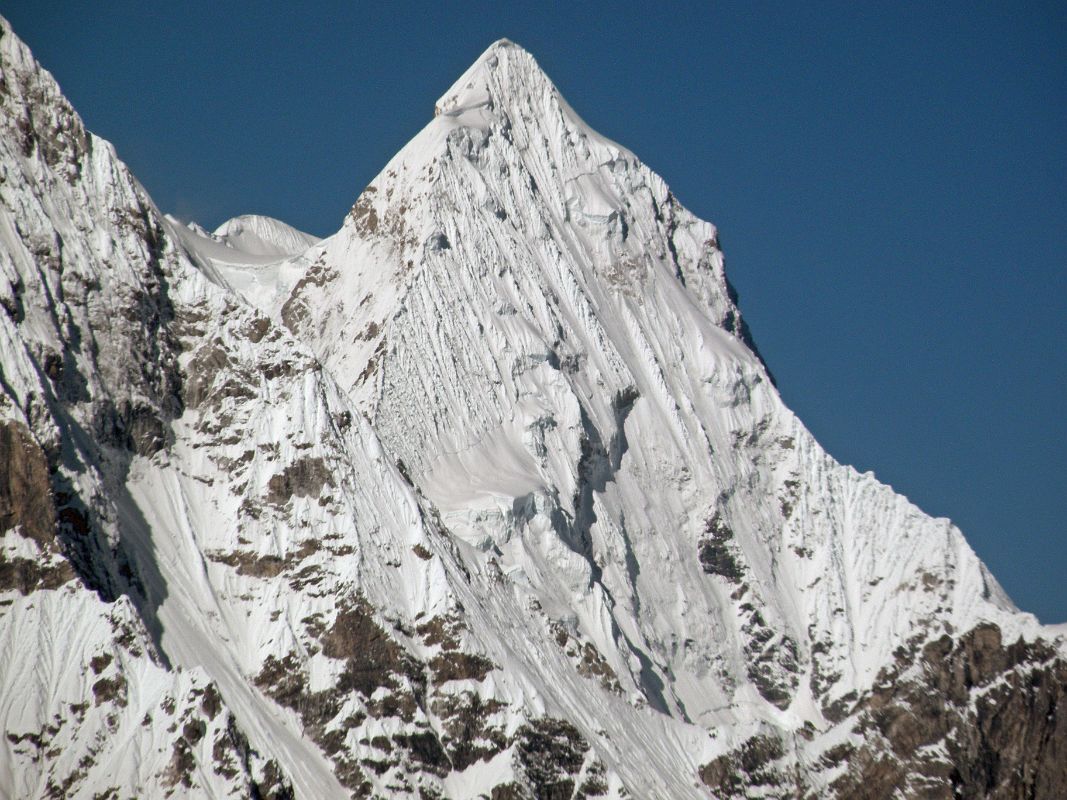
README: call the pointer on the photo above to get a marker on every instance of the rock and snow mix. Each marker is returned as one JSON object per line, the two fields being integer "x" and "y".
{"x": 486, "y": 495}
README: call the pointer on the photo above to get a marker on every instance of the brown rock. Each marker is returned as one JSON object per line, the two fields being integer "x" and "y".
{"x": 25, "y": 488}
{"x": 1009, "y": 744}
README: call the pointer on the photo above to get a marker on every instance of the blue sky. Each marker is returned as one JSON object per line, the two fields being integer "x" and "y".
{"x": 888, "y": 181}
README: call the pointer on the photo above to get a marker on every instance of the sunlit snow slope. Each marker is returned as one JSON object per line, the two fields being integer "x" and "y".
{"x": 486, "y": 495}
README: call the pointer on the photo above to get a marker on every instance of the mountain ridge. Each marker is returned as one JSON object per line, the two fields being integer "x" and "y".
{"x": 484, "y": 494}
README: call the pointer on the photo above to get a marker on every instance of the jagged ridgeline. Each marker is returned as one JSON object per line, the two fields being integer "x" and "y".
{"x": 487, "y": 495}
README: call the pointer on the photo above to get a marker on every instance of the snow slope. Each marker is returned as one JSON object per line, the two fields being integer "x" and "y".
{"x": 263, "y": 236}
{"x": 487, "y": 494}
{"x": 546, "y": 339}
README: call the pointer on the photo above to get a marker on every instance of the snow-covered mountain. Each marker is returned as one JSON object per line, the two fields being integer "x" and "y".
{"x": 264, "y": 236}
{"x": 488, "y": 494}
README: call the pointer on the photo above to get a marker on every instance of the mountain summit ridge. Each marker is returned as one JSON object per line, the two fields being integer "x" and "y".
{"x": 484, "y": 495}
{"x": 472, "y": 87}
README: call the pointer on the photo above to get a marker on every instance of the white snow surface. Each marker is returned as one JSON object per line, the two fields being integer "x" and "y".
{"x": 263, "y": 236}
{"x": 510, "y": 391}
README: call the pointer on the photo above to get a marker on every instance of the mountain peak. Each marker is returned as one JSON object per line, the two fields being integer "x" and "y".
{"x": 501, "y": 70}
{"x": 483, "y": 496}
{"x": 502, "y": 42}
{"x": 256, "y": 234}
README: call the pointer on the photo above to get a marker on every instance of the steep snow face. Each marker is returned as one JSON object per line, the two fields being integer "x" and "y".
{"x": 484, "y": 495}
{"x": 185, "y": 481}
{"x": 547, "y": 341}
{"x": 89, "y": 382}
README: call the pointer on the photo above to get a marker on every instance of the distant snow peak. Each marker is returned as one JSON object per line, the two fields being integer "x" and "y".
{"x": 258, "y": 235}
{"x": 191, "y": 225}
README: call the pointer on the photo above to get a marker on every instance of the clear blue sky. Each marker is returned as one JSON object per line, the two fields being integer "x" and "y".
{"x": 888, "y": 179}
